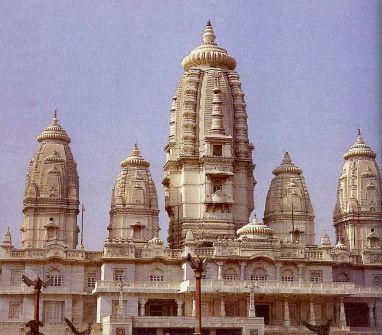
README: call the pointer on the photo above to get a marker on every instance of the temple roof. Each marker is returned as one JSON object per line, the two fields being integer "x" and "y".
{"x": 54, "y": 132}
{"x": 359, "y": 148}
{"x": 287, "y": 166}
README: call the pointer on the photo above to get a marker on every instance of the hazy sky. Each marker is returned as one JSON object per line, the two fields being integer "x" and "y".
{"x": 310, "y": 71}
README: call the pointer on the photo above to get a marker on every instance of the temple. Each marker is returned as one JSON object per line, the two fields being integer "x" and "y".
{"x": 262, "y": 276}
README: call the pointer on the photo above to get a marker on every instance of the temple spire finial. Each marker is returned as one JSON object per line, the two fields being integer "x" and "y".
{"x": 209, "y": 35}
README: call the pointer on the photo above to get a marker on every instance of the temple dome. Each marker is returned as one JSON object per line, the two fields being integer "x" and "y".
{"x": 325, "y": 240}
{"x": 135, "y": 158}
{"x": 255, "y": 230}
{"x": 208, "y": 53}
{"x": 155, "y": 241}
{"x": 54, "y": 132}
{"x": 359, "y": 149}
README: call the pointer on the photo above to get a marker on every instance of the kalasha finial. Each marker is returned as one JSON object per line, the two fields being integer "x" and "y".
{"x": 55, "y": 119}
{"x": 286, "y": 159}
{"x": 135, "y": 151}
{"x": 209, "y": 35}
{"x": 359, "y": 131}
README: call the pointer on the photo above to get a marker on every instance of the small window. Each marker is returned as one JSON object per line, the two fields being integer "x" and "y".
{"x": 14, "y": 310}
{"x": 229, "y": 274}
{"x": 119, "y": 274}
{"x": 91, "y": 280}
{"x": 259, "y": 274}
{"x": 377, "y": 280}
{"x": 156, "y": 278}
{"x": 217, "y": 150}
{"x": 58, "y": 280}
{"x": 316, "y": 276}
{"x": 287, "y": 275}
{"x": 156, "y": 275}
{"x": 217, "y": 186}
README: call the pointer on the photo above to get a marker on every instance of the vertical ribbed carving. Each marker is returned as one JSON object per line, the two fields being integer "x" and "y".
{"x": 189, "y": 112}
{"x": 241, "y": 128}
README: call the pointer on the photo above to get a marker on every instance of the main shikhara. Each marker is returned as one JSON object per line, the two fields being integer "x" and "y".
{"x": 260, "y": 278}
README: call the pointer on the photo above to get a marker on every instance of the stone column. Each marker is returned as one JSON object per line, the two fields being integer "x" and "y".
{"x": 193, "y": 307}
{"x": 371, "y": 314}
{"x": 179, "y": 304}
{"x": 312, "y": 316}
{"x": 242, "y": 270}
{"x": 220, "y": 270}
{"x": 252, "y": 308}
{"x": 142, "y": 303}
{"x": 342, "y": 314}
{"x": 286, "y": 313}
{"x": 278, "y": 271}
{"x": 300, "y": 272}
{"x": 222, "y": 307}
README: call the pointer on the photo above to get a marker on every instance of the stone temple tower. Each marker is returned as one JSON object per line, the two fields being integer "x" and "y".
{"x": 134, "y": 202}
{"x": 358, "y": 214}
{"x": 208, "y": 174}
{"x": 51, "y": 197}
{"x": 288, "y": 210}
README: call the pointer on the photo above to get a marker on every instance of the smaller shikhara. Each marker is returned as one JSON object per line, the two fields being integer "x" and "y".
{"x": 319, "y": 330}
{"x": 76, "y": 331}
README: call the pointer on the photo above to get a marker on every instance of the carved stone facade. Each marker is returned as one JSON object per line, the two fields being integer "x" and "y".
{"x": 260, "y": 278}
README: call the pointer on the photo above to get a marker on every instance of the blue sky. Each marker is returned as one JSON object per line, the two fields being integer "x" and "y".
{"x": 310, "y": 71}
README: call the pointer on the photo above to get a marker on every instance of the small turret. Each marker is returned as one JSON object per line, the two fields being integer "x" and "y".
{"x": 134, "y": 203}
{"x": 7, "y": 245}
{"x": 51, "y": 197}
{"x": 288, "y": 210}
{"x": 358, "y": 211}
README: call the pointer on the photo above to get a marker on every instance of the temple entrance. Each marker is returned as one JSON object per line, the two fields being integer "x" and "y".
{"x": 357, "y": 314}
{"x": 262, "y": 311}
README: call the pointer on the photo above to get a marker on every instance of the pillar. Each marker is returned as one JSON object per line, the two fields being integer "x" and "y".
{"x": 312, "y": 316}
{"x": 142, "y": 303}
{"x": 242, "y": 270}
{"x": 179, "y": 304}
{"x": 252, "y": 308}
{"x": 300, "y": 272}
{"x": 342, "y": 314}
{"x": 278, "y": 271}
{"x": 193, "y": 306}
{"x": 286, "y": 314}
{"x": 220, "y": 270}
{"x": 371, "y": 314}
{"x": 222, "y": 307}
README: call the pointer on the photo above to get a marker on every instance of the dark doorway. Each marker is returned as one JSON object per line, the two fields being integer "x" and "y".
{"x": 144, "y": 331}
{"x": 357, "y": 314}
{"x": 228, "y": 331}
{"x": 262, "y": 311}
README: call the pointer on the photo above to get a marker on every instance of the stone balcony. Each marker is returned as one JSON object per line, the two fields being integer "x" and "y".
{"x": 244, "y": 287}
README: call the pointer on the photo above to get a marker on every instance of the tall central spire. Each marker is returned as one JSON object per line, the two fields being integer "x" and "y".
{"x": 209, "y": 170}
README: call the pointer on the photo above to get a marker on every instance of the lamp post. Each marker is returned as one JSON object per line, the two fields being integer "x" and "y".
{"x": 37, "y": 284}
{"x": 197, "y": 265}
